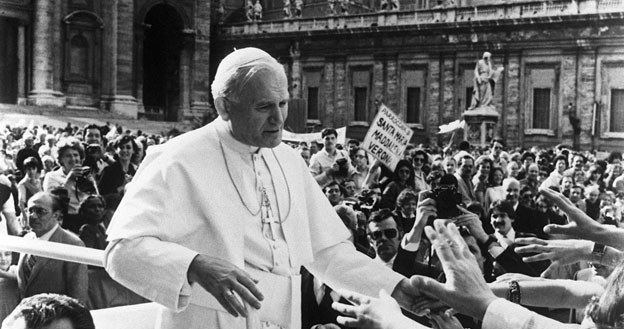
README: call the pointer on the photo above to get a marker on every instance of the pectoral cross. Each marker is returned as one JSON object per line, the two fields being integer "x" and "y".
{"x": 267, "y": 215}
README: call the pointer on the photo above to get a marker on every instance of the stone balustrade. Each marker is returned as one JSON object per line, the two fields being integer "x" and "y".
{"x": 410, "y": 16}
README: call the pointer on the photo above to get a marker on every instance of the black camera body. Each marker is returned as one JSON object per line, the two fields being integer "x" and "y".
{"x": 447, "y": 199}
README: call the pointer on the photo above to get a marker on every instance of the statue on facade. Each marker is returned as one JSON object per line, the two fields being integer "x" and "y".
{"x": 390, "y": 5}
{"x": 344, "y": 7}
{"x": 332, "y": 7}
{"x": 287, "y": 12}
{"x": 484, "y": 81}
{"x": 250, "y": 11}
{"x": 257, "y": 10}
{"x": 219, "y": 11}
{"x": 298, "y": 8}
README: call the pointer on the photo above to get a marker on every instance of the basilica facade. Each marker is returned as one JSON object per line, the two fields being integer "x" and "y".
{"x": 561, "y": 63}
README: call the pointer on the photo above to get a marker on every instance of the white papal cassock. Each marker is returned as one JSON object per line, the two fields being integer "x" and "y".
{"x": 201, "y": 193}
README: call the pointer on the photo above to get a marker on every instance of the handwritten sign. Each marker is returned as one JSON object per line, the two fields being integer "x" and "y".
{"x": 387, "y": 137}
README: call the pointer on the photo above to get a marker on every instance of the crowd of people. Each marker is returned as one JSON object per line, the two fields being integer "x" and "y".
{"x": 500, "y": 199}
{"x": 227, "y": 221}
{"x": 63, "y": 184}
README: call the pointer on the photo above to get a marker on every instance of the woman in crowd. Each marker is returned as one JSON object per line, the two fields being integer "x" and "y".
{"x": 494, "y": 189}
{"x": 77, "y": 180}
{"x": 93, "y": 232}
{"x": 594, "y": 177}
{"x": 364, "y": 176}
{"x": 405, "y": 212}
{"x": 513, "y": 169}
{"x": 450, "y": 165}
{"x": 592, "y": 202}
{"x": 116, "y": 176}
{"x": 403, "y": 178}
{"x": 31, "y": 183}
{"x": 554, "y": 179}
{"x": 420, "y": 159}
{"x": 480, "y": 180}
{"x": 565, "y": 185}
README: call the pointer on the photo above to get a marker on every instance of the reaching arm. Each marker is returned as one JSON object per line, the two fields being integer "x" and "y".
{"x": 551, "y": 293}
{"x": 582, "y": 226}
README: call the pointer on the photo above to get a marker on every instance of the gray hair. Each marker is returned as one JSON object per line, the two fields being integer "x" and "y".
{"x": 237, "y": 68}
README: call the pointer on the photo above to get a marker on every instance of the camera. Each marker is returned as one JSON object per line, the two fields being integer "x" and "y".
{"x": 342, "y": 162}
{"x": 447, "y": 199}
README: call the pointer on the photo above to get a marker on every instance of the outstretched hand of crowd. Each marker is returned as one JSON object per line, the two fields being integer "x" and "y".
{"x": 580, "y": 225}
{"x": 465, "y": 289}
{"x": 559, "y": 252}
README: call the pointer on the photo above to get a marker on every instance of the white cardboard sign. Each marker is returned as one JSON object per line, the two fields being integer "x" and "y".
{"x": 387, "y": 137}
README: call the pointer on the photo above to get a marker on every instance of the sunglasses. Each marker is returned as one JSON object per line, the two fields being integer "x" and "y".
{"x": 390, "y": 233}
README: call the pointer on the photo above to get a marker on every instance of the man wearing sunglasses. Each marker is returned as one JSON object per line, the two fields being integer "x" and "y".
{"x": 399, "y": 254}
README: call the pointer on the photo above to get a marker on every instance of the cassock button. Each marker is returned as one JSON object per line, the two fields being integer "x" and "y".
{"x": 274, "y": 247}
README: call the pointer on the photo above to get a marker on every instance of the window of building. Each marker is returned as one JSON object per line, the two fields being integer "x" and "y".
{"x": 360, "y": 97}
{"x": 413, "y": 104}
{"x": 612, "y": 99}
{"x": 360, "y": 80}
{"x": 412, "y": 95}
{"x": 541, "y": 102}
{"x": 79, "y": 57}
{"x": 541, "y": 108}
{"x": 312, "y": 84}
{"x": 313, "y": 102}
{"x": 617, "y": 110}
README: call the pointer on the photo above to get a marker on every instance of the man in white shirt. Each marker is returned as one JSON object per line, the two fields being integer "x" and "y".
{"x": 330, "y": 163}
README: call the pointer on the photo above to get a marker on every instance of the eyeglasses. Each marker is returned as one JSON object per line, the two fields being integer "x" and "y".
{"x": 360, "y": 156}
{"x": 499, "y": 215}
{"x": 390, "y": 233}
{"x": 38, "y": 210}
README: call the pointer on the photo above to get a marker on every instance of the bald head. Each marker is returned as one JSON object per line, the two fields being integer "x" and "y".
{"x": 511, "y": 186}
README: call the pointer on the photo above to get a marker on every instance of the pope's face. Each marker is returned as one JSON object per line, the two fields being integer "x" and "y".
{"x": 257, "y": 118}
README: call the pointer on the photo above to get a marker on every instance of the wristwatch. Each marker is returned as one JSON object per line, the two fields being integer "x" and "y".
{"x": 599, "y": 251}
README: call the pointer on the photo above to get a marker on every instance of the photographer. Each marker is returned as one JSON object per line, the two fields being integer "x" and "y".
{"x": 76, "y": 179}
{"x": 330, "y": 163}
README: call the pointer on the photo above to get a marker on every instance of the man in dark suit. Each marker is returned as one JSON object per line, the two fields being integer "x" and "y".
{"x": 525, "y": 220}
{"x": 36, "y": 274}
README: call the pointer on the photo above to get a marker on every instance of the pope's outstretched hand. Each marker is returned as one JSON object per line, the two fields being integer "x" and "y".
{"x": 226, "y": 283}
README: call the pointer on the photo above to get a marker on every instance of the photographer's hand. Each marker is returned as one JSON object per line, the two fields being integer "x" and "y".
{"x": 473, "y": 223}
{"x": 425, "y": 210}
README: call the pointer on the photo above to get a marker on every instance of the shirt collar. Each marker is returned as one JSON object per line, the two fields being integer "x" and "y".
{"x": 224, "y": 130}
{"x": 47, "y": 235}
{"x": 389, "y": 263}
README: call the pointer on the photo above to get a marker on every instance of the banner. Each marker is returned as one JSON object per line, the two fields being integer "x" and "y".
{"x": 387, "y": 137}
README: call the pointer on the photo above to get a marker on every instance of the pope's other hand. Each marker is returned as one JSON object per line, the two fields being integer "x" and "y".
{"x": 226, "y": 283}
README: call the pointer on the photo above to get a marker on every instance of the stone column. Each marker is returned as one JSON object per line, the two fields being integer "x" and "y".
{"x": 200, "y": 72}
{"x": 295, "y": 72}
{"x": 188, "y": 39}
{"x": 21, "y": 63}
{"x": 120, "y": 99}
{"x": 43, "y": 92}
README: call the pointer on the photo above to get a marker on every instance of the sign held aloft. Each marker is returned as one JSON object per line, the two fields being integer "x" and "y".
{"x": 387, "y": 137}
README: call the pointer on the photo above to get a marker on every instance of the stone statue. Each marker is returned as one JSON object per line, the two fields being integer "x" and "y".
{"x": 344, "y": 7}
{"x": 287, "y": 12}
{"x": 484, "y": 81}
{"x": 298, "y": 8}
{"x": 257, "y": 9}
{"x": 250, "y": 11}
{"x": 332, "y": 7}
{"x": 389, "y": 5}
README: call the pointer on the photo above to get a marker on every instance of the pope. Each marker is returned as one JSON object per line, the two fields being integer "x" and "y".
{"x": 217, "y": 222}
